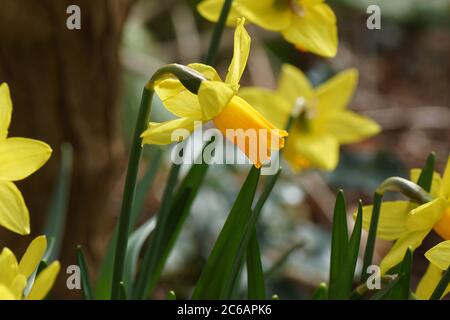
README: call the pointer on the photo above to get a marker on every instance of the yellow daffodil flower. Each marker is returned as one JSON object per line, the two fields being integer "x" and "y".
{"x": 217, "y": 101}
{"x": 439, "y": 257}
{"x": 309, "y": 24}
{"x": 14, "y": 276}
{"x": 324, "y": 122}
{"x": 409, "y": 223}
{"x": 19, "y": 158}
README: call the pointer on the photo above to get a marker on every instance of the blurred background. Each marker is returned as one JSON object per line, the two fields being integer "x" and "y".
{"x": 83, "y": 87}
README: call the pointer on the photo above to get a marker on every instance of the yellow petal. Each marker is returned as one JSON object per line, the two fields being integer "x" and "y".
{"x": 314, "y": 31}
{"x": 44, "y": 282}
{"x": 210, "y": 10}
{"x": 213, "y": 96}
{"x": 439, "y": 255}
{"x": 396, "y": 254}
{"x": 240, "y": 55}
{"x": 20, "y": 157}
{"x": 428, "y": 282}
{"x": 293, "y": 84}
{"x": 426, "y": 215}
{"x": 304, "y": 150}
{"x": 9, "y": 268}
{"x": 271, "y": 105}
{"x": 436, "y": 183}
{"x": 240, "y": 123}
{"x": 392, "y": 221}
{"x": 168, "y": 132}
{"x": 17, "y": 286}
{"x": 33, "y": 256}
{"x": 13, "y": 211}
{"x": 334, "y": 94}
{"x": 266, "y": 13}
{"x": 209, "y": 72}
{"x": 5, "y": 293}
{"x": 445, "y": 190}
{"x": 5, "y": 110}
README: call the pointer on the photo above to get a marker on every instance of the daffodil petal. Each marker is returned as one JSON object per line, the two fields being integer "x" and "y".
{"x": 13, "y": 211}
{"x": 445, "y": 190}
{"x": 5, "y": 110}
{"x": 305, "y": 150}
{"x": 9, "y": 268}
{"x": 439, "y": 255}
{"x": 428, "y": 282}
{"x": 214, "y": 96}
{"x": 17, "y": 286}
{"x": 293, "y": 84}
{"x": 426, "y": 215}
{"x": 335, "y": 94}
{"x": 315, "y": 31}
{"x": 20, "y": 157}
{"x": 210, "y": 10}
{"x": 33, "y": 256}
{"x": 5, "y": 293}
{"x": 348, "y": 127}
{"x": 44, "y": 282}
{"x": 168, "y": 132}
{"x": 392, "y": 221}
{"x": 436, "y": 183}
{"x": 271, "y": 105}
{"x": 240, "y": 55}
{"x": 209, "y": 72}
{"x": 397, "y": 252}
{"x": 265, "y": 13}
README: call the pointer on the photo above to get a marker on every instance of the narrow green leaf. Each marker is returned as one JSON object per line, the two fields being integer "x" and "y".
{"x": 171, "y": 295}
{"x": 275, "y": 297}
{"x": 442, "y": 285}
{"x": 122, "y": 291}
{"x": 168, "y": 226}
{"x": 339, "y": 245}
{"x": 401, "y": 290}
{"x": 321, "y": 293}
{"x": 57, "y": 211}
{"x": 255, "y": 275}
{"x": 103, "y": 285}
{"x": 383, "y": 293}
{"x": 426, "y": 175}
{"x": 85, "y": 282}
{"x": 219, "y": 273}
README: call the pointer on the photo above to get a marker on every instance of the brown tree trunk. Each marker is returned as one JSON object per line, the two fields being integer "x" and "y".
{"x": 65, "y": 86}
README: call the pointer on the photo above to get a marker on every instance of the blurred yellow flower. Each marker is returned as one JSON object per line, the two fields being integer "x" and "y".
{"x": 323, "y": 122}
{"x": 409, "y": 223}
{"x": 19, "y": 158}
{"x": 309, "y": 24}
{"x": 14, "y": 276}
{"x": 217, "y": 101}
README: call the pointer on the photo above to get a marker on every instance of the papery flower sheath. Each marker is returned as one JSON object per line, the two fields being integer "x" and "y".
{"x": 408, "y": 223}
{"x": 217, "y": 101}
{"x": 309, "y": 24}
{"x": 19, "y": 158}
{"x": 324, "y": 122}
{"x": 14, "y": 276}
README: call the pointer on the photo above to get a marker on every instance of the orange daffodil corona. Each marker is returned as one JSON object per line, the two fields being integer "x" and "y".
{"x": 217, "y": 100}
{"x": 408, "y": 223}
{"x": 324, "y": 121}
{"x": 14, "y": 276}
{"x": 309, "y": 24}
{"x": 19, "y": 158}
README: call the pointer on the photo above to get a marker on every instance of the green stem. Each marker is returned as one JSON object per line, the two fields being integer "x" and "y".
{"x": 129, "y": 191}
{"x": 217, "y": 33}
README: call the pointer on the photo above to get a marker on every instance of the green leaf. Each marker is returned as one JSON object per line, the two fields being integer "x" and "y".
{"x": 426, "y": 175}
{"x": 442, "y": 285}
{"x": 170, "y": 219}
{"x": 85, "y": 282}
{"x": 255, "y": 275}
{"x": 103, "y": 285}
{"x": 353, "y": 251}
{"x": 383, "y": 293}
{"x": 321, "y": 293}
{"x": 122, "y": 291}
{"x": 57, "y": 211}
{"x": 171, "y": 295}
{"x": 401, "y": 290}
{"x": 339, "y": 244}
{"x": 220, "y": 272}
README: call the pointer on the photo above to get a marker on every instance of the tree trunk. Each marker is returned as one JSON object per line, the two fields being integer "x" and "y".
{"x": 65, "y": 86}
